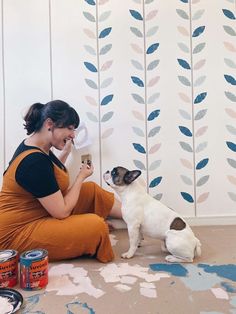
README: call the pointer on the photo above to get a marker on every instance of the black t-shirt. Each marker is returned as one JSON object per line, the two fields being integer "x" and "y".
{"x": 35, "y": 172}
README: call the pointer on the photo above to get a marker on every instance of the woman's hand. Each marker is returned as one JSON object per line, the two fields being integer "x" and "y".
{"x": 85, "y": 171}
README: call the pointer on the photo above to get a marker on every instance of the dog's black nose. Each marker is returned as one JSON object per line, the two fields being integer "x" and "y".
{"x": 107, "y": 171}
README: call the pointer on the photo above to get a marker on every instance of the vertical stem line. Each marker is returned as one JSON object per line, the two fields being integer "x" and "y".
{"x": 3, "y": 89}
{"x": 50, "y": 47}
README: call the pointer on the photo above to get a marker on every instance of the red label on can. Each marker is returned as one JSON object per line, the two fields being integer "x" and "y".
{"x": 9, "y": 272}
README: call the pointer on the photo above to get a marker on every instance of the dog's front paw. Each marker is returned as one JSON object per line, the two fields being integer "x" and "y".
{"x": 127, "y": 255}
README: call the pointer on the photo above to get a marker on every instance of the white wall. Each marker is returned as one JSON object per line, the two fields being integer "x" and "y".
{"x": 181, "y": 56}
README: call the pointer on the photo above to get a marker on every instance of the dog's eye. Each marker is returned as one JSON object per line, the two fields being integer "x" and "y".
{"x": 113, "y": 173}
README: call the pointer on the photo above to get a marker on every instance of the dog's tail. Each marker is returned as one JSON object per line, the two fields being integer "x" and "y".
{"x": 197, "y": 251}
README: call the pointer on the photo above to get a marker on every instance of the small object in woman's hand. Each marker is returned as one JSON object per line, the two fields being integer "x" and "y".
{"x": 86, "y": 159}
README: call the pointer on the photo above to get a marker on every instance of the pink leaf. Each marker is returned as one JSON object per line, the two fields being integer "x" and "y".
{"x": 153, "y": 81}
{"x": 137, "y": 48}
{"x": 186, "y": 163}
{"x": 103, "y": 1}
{"x": 107, "y": 133}
{"x": 202, "y": 197}
{"x": 89, "y": 33}
{"x": 230, "y": 46}
{"x": 106, "y": 65}
{"x": 138, "y": 115}
{"x": 232, "y": 179}
{"x": 183, "y": 30}
{"x": 184, "y": 97}
{"x": 199, "y": 64}
{"x": 91, "y": 100}
{"x": 195, "y": 1}
{"x": 151, "y": 15}
{"x": 201, "y": 131}
{"x": 154, "y": 148}
{"x": 231, "y": 112}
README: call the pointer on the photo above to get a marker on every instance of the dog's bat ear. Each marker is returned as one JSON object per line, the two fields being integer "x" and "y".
{"x": 130, "y": 176}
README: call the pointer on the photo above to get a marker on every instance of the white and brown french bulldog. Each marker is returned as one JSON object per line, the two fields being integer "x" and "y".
{"x": 145, "y": 215}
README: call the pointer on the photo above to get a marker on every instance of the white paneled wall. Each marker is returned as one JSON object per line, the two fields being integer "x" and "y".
{"x": 154, "y": 81}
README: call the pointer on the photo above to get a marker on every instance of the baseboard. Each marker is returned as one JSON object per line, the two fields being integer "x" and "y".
{"x": 211, "y": 220}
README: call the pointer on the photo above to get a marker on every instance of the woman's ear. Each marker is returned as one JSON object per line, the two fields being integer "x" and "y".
{"x": 48, "y": 124}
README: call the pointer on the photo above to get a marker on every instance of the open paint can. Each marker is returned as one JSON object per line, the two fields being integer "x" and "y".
{"x": 34, "y": 269}
{"x": 8, "y": 268}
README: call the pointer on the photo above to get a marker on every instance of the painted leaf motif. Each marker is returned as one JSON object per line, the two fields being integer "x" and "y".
{"x": 153, "y": 115}
{"x": 136, "y": 15}
{"x": 231, "y": 146}
{"x": 185, "y": 97}
{"x": 183, "y": 31}
{"x": 232, "y": 162}
{"x": 187, "y": 197}
{"x": 186, "y": 163}
{"x": 158, "y": 196}
{"x": 90, "y": 50}
{"x": 137, "y": 65}
{"x": 198, "y": 31}
{"x": 199, "y": 80}
{"x": 186, "y": 180}
{"x": 90, "y": 67}
{"x": 154, "y": 131}
{"x": 152, "y": 98}
{"x": 137, "y": 48}
{"x": 200, "y": 98}
{"x": 183, "y": 47}
{"x": 104, "y": 16}
{"x": 202, "y": 163}
{"x": 184, "y": 64}
{"x": 105, "y": 32}
{"x": 91, "y": 117}
{"x": 200, "y": 114}
{"x": 186, "y": 147}
{"x": 106, "y": 100}
{"x": 201, "y": 198}
{"x": 184, "y": 114}
{"x": 139, "y": 148}
{"x": 107, "y": 133}
{"x": 201, "y": 131}
{"x": 107, "y": 82}
{"x": 230, "y": 46}
{"x": 136, "y": 32}
{"x": 106, "y": 65}
{"x": 154, "y": 148}
{"x": 138, "y": 131}
{"x": 232, "y": 179}
{"x": 230, "y": 96}
{"x": 153, "y": 81}
{"x": 231, "y": 129}
{"x": 136, "y": 80}
{"x": 232, "y": 196}
{"x": 201, "y": 147}
{"x": 89, "y": 33}
{"x": 229, "y": 30}
{"x": 185, "y": 1}
{"x": 197, "y": 15}
{"x": 91, "y": 100}
{"x": 155, "y": 182}
{"x": 105, "y": 49}
{"x": 152, "y": 65}
{"x": 152, "y": 48}
{"x": 184, "y": 80}
{"x": 202, "y": 180}
{"x": 138, "y": 98}
{"x": 185, "y": 131}
{"x": 199, "y": 48}
{"x": 230, "y": 63}
{"x": 154, "y": 165}
{"x": 139, "y": 164}
{"x": 198, "y": 65}
{"x": 230, "y": 79}
{"x": 91, "y": 84}
{"x": 138, "y": 115}
{"x": 229, "y": 14}
{"x": 89, "y": 16}
{"x": 107, "y": 116}
{"x": 91, "y": 2}
{"x": 101, "y": 2}
{"x": 231, "y": 113}
{"x": 151, "y": 15}
{"x": 148, "y": 1}
{"x": 152, "y": 31}
{"x": 182, "y": 14}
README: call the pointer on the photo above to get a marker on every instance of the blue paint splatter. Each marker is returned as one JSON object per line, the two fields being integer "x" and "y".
{"x": 225, "y": 271}
{"x": 228, "y": 287}
{"x": 175, "y": 269}
{"x": 79, "y": 305}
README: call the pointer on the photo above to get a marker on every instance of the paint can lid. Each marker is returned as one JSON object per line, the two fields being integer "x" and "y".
{"x": 11, "y": 299}
{"x": 7, "y": 254}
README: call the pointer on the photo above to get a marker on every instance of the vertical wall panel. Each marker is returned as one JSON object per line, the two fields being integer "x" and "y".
{"x": 2, "y": 151}
{"x": 27, "y": 68}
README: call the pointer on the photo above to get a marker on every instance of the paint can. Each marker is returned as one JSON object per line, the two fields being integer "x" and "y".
{"x": 8, "y": 268}
{"x": 34, "y": 269}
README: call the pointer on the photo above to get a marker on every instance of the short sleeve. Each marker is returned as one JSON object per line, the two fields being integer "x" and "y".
{"x": 35, "y": 174}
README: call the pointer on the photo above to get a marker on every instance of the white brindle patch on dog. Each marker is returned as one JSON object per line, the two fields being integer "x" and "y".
{"x": 145, "y": 215}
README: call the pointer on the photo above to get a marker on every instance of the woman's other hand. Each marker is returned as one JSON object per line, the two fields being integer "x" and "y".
{"x": 85, "y": 171}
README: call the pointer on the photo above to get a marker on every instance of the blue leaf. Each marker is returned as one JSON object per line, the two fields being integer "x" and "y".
{"x": 152, "y": 48}
{"x": 155, "y": 182}
{"x": 105, "y": 32}
{"x": 136, "y": 15}
{"x": 91, "y": 2}
{"x": 230, "y": 79}
{"x": 231, "y": 146}
{"x": 229, "y": 14}
{"x": 187, "y": 197}
{"x": 185, "y": 131}
{"x": 139, "y": 148}
{"x": 90, "y": 67}
{"x": 184, "y": 64}
{"x": 198, "y": 31}
{"x": 106, "y": 100}
{"x": 184, "y": 1}
{"x": 154, "y": 115}
{"x": 202, "y": 163}
{"x": 200, "y": 98}
{"x": 137, "y": 81}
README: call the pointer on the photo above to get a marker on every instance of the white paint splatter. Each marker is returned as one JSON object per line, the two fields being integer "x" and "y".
{"x": 150, "y": 293}
{"x": 128, "y": 279}
{"x": 219, "y": 293}
{"x": 113, "y": 239}
{"x": 5, "y": 305}
{"x": 122, "y": 288}
{"x": 59, "y": 280}
{"x": 147, "y": 285}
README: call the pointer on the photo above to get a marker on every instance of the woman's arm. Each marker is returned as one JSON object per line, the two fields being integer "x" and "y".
{"x": 59, "y": 206}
